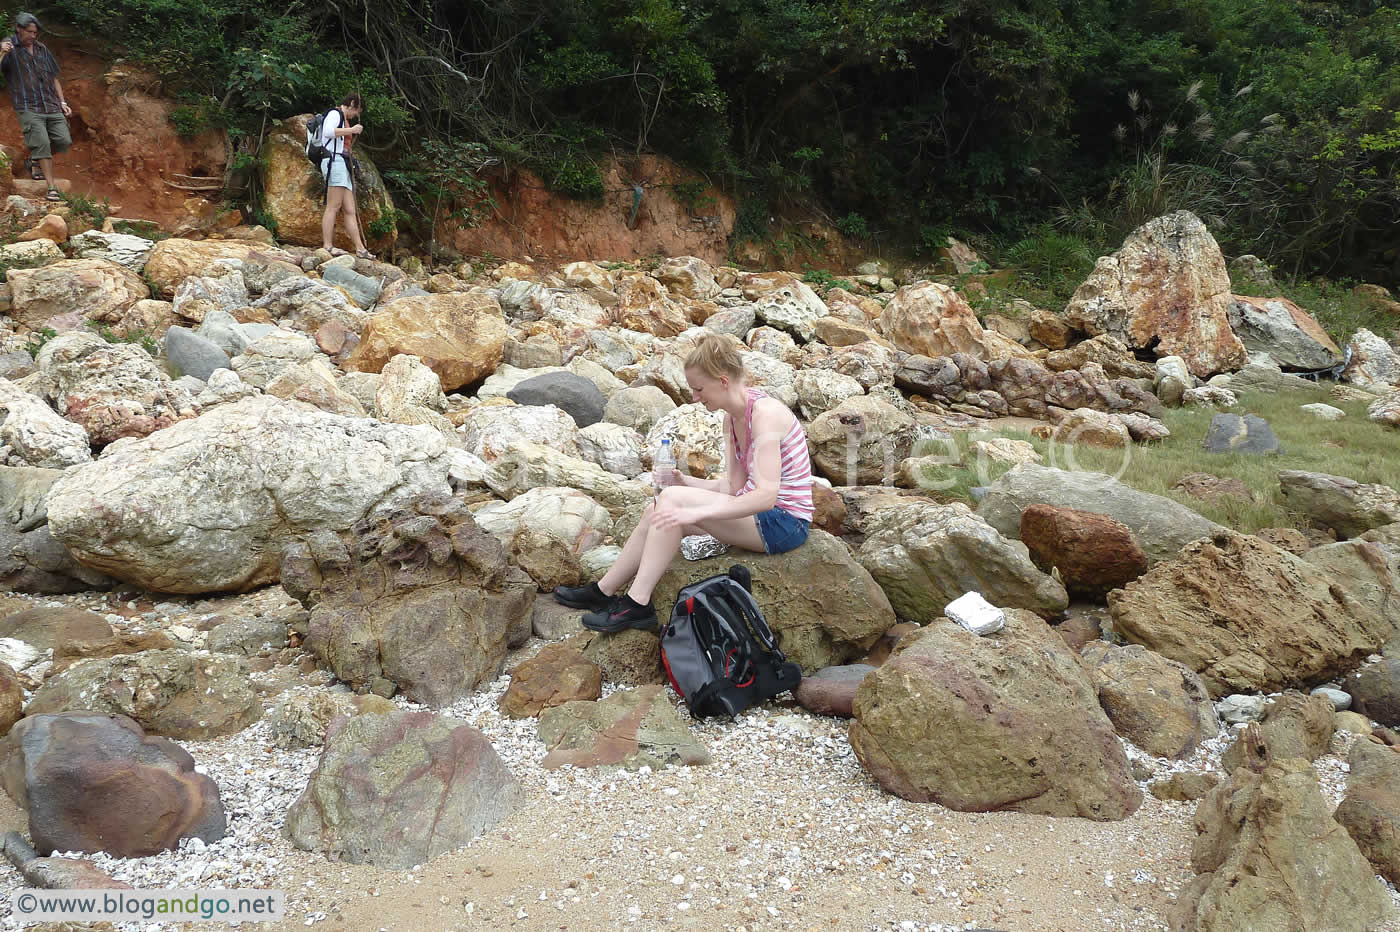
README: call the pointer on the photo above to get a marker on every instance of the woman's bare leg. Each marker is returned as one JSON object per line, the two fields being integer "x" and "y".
{"x": 334, "y": 200}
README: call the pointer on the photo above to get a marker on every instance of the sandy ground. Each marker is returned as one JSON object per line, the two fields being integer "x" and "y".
{"x": 782, "y": 830}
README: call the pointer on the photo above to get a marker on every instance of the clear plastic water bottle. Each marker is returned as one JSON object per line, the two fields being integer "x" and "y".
{"x": 663, "y": 466}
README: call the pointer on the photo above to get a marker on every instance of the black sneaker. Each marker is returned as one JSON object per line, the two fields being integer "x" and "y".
{"x": 623, "y": 614}
{"x": 588, "y": 597}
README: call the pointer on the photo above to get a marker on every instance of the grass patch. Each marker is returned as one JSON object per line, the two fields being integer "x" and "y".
{"x": 1354, "y": 447}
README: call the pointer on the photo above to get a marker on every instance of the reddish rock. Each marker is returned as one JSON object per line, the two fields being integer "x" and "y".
{"x": 11, "y": 698}
{"x": 830, "y": 510}
{"x": 94, "y": 782}
{"x": 832, "y": 691}
{"x": 1093, "y": 552}
{"x": 1079, "y": 630}
{"x": 1285, "y": 538}
{"x": 53, "y": 228}
{"x": 330, "y": 337}
{"x": 556, "y": 675}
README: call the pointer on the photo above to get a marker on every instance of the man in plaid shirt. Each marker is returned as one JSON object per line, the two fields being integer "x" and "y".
{"x": 31, "y": 72}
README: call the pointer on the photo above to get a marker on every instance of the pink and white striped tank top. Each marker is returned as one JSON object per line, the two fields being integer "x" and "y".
{"x": 795, "y": 480}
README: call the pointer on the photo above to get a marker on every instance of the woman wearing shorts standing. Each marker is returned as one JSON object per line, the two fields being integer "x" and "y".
{"x": 337, "y": 135}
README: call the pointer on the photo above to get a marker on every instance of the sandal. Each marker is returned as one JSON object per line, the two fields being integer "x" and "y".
{"x": 35, "y": 172}
{"x": 364, "y": 254}
{"x": 53, "y": 195}
{"x": 336, "y": 252}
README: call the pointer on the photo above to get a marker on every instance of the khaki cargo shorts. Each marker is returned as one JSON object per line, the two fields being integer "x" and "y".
{"x": 45, "y": 134}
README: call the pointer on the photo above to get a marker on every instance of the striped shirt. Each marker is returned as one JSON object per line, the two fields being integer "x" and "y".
{"x": 30, "y": 77}
{"x": 795, "y": 480}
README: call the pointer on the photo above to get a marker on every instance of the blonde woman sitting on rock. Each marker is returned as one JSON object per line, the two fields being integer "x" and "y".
{"x": 762, "y": 503}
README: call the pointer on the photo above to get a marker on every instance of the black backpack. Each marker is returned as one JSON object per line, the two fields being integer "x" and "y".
{"x": 719, "y": 653}
{"x": 315, "y": 152}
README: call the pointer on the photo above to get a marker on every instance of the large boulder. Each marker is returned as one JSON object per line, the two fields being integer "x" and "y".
{"x": 112, "y": 390}
{"x": 1290, "y": 335}
{"x": 1368, "y": 571}
{"x": 95, "y": 288}
{"x": 1346, "y": 506}
{"x": 221, "y": 289}
{"x": 861, "y": 441}
{"x": 122, "y": 248}
{"x": 825, "y": 608}
{"x": 1155, "y": 703}
{"x": 174, "y": 260}
{"x": 33, "y": 434}
{"x": 546, "y": 532}
{"x": 630, "y": 729}
{"x": 293, "y": 190}
{"x": 421, "y": 599}
{"x": 307, "y": 304}
{"x": 206, "y": 505}
{"x": 1375, "y": 691}
{"x": 687, "y": 276}
{"x": 461, "y": 336}
{"x": 174, "y": 692}
{"x": 1370, "y": 812}
{"x": 1373, "y": 363}
{"x": 932, "y": 319}
{"x": 1160, "y": 526}
{"x": 408, "y": 392}
{"x": 1167, "y": 290}
{"x": 398, "y": 789}
{"x": 489, "y": 430}
{"x": 1248, "y": 617}
{"x": 1270, "y": 858}
{"x": 926, "y": 555}
{"x": 96, "y": 783}
{"x": 1007, "y": 722}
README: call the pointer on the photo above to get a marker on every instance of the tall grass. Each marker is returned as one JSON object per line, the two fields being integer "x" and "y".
{"x": 1354, "y": 447}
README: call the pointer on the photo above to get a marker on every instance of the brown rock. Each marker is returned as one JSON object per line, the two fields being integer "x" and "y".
{"x": 1049, "y": 330}
{"x": 1155, "y": 703}
{"x": 1247, "y": 616}
{"x": 49, "y": 628}
{"x": 1109, "y": 352}
{"x": 830, "y": 510}
{"x": 331, "y": 337}
{"x": 293, "y": 190}
{"x": 1093, "y": 552}
{"x": 96, "y": 288}
{"x": 174, "y": 260}
{"x": 1019, "y": 725}
{"x": 1370, "y": 812}
{"x": 1185, "y": 786}
{"x": 1079, "y": 631}
{"x": 53, "y": 228}
{"x": 556, "y": 675}
{"x": 1294, "y": 725}
{"x": 1204, "y": 485}
{"x": 933, "y": 320}
{"x": 94, "y": 782}
{"x": 1272, "y": 859}
{"x": 459, "y": 336}
{"x": 629, "y": 658}
{"x": 76, "y": 643}
{"x": 631, "y": 728}
{"x": 1285, "y": 538}
{"x": 11, "y": 698}
{"x": 422, "y": 598}
{"x": 397, "y": 789}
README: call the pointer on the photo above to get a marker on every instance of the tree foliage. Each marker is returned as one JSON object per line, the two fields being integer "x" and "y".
{"x": 1275, "y": 119}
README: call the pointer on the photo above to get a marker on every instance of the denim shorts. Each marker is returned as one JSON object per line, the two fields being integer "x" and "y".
{"x": 780, "y": 530}
{"x": 340, "y": 174}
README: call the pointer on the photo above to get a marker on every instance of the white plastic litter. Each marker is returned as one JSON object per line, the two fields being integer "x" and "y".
{"x": 975, "y": 613}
